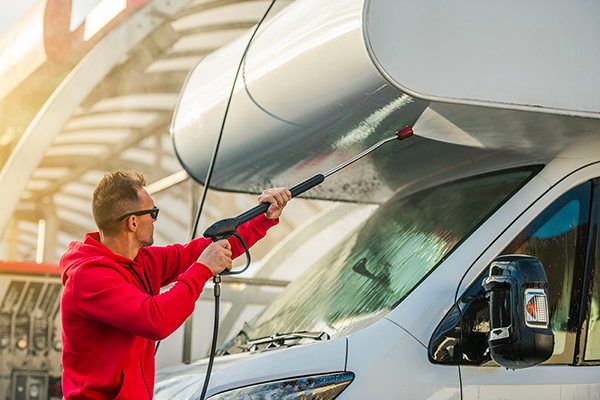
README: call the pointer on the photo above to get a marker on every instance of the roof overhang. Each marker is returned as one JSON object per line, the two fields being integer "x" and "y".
{"x": 311, "y": 95}
{"x": 532, "y": 55}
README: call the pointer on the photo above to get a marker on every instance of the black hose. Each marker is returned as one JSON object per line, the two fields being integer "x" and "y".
{"x": 217, "y": 279}
{"x": 217, "y": 282}
{"x": 213, "y": 347}
{"x": 218, "y": 143}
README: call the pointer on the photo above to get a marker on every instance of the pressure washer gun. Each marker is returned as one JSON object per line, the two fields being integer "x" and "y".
{"x": 227, "y": 227}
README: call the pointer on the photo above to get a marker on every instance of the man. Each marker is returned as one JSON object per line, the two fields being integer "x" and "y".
{"x": 112, "y": 310}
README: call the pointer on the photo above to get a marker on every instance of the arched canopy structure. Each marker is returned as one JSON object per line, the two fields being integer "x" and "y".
{"x": 112, "y": 111}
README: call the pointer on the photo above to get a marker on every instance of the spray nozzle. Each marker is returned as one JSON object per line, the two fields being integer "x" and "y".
{"x": 404, "y": 133}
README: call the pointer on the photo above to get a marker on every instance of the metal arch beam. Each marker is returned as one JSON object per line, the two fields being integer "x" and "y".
{"x": 167, "y": 182}
{"x": 73, "y": 90}
{"x": 114, "y": 149}
{"x": 71, "y": 161}
{"x": 78, "y": 196}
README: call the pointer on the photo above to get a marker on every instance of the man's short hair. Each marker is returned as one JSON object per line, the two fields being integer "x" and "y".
{"x": 115, "y": 195}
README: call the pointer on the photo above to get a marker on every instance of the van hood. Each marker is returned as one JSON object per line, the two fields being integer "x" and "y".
{"x": 185, "y": 381}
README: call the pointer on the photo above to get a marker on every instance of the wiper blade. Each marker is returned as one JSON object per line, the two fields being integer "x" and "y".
{"x": 241, "y": 343}
{"x": 235, "y": 345}
{"x": 278, "y": 340}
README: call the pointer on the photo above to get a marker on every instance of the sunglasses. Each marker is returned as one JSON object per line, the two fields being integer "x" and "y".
{"x": 153, "y": 213}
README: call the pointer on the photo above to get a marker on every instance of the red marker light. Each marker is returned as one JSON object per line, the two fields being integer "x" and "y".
{"x": 404, "y": 133}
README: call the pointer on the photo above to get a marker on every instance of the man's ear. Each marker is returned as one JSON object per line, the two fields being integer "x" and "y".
{"x": 132, "y": 223}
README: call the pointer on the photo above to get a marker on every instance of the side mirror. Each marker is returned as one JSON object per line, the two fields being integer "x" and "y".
{"x": 520, "y": 334}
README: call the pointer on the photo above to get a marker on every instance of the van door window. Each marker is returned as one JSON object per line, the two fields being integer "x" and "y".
{"x": 557, "y": 237}
{"x": 592, "y": 347}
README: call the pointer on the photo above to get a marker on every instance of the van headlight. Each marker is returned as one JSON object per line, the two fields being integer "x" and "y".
{"x": 320, "y": 387}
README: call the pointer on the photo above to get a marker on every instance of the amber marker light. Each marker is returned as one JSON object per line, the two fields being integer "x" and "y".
{"x": 536, "y": 308}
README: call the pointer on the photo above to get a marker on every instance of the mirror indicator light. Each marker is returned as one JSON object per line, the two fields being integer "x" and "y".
{"x": 536, "y": 308}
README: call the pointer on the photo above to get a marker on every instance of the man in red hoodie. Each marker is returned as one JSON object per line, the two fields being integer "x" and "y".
{"x": 112, "y": 310}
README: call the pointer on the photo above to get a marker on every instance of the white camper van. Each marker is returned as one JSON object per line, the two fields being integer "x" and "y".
{"x": 478, "y": 274}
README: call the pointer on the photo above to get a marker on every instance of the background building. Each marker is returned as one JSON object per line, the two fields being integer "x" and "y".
{"x": 88, "y": 87}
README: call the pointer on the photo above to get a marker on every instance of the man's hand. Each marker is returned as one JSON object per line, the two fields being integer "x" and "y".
{"x": 217, "y": 256}
{"x": 278, "y": 197}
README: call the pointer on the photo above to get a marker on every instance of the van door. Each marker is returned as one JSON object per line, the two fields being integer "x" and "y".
{"x": 588, "y": 343}
{"x": 561, "y": 238}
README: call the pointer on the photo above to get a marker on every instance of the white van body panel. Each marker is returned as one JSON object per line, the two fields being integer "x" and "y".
{"x": 309, "y": 90}
{"x": 390, "y": 364}
{"x": 553, "y": 382}
{"x": 305, "y": 360}
{"x": 318, "y": 60}
{"x": 251, "y": 368}
{"x": 542, "y": 381}
{"x": 281, "y": 89}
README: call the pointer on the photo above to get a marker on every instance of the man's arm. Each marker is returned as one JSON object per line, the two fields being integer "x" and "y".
{"x": 177, "y": 258}
{"x": 103, "y": 294}
{"x": 172, "y": 260}
{"x": 256, "y": 228}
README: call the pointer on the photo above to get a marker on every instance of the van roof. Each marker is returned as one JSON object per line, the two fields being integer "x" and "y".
{"x": 315, "y": 91}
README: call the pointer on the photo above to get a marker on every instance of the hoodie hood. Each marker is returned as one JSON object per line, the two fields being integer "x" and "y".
{"x": 91, "y": 249}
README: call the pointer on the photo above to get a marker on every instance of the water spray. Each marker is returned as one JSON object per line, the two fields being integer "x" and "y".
{"x": 227, "y": 228}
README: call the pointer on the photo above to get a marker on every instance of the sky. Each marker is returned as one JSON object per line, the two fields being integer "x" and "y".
{"x": 12, "y": 11}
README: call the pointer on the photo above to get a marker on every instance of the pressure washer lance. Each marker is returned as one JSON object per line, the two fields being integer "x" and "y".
{"x": 226, "y": 228}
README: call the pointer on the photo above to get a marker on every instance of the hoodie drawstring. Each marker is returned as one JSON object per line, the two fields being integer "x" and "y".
{"x": 146, "y": 289}
{"x": 149, "y": 291}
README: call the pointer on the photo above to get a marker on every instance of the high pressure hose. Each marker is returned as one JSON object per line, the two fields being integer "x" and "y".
{"x": 226, "y": 228}
{"x": 218, "y": 143}
{"x": 217, "y": 278}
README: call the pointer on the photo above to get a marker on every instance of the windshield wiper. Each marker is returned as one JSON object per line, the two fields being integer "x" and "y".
{"x": 241, "y": 343}
{"x": 278, "y": 340}
{"x": 237, "y": 344}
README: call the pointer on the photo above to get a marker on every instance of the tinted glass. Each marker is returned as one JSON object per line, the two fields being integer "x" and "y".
{"x": 557, "y": 238}
{"x": 384, "y": 259}
{"x": 592, "y": 348}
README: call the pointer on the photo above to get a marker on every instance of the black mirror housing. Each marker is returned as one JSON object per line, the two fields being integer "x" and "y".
{"x": 520, "y": 334}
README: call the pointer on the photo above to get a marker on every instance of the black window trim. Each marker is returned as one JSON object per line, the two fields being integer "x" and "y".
{"x": 588, "y": 280}
{"x": 579, "y": 268}
{"x": 581, "y": 294}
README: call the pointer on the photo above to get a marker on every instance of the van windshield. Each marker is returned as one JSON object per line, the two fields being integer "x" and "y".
{"x": 385, "y": 258}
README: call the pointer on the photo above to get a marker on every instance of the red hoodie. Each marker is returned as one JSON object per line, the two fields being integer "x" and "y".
{"x": 109, "y": 321}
